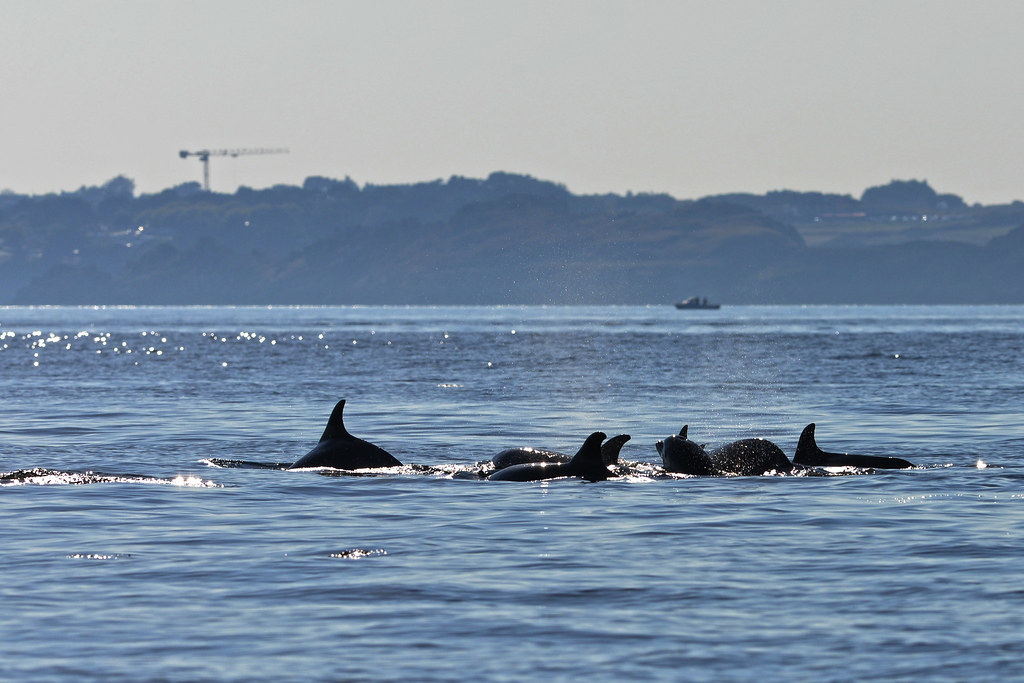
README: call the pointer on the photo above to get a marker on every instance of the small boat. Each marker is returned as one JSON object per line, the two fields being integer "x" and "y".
{"x": 698, "y": 303}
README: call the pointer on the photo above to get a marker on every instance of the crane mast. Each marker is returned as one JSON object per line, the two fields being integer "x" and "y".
{"x": 205, "y": 154}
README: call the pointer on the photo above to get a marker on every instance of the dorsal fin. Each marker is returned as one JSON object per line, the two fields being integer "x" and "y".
{"x": 336, "y": 424}
{"x": 807, "y": 441}
{"x": 587, "y": 462}
{"x": 807, "y": 451}
{"x": 610, "y": 449}
{"x": 682, "y": 432}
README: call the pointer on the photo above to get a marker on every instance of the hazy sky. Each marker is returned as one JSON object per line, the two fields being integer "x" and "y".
{"x": 685, "y": 97}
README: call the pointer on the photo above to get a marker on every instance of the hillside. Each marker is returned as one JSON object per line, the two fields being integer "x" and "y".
{"x": 504, "y": 239}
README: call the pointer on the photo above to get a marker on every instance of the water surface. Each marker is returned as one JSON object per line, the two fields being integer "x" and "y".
{"x": 128, "y": 554}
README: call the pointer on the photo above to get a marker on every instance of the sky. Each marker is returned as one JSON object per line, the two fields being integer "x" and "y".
{"x": 683, "y": 97}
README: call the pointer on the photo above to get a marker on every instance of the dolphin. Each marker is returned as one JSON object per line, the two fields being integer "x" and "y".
{"x": 747, "y": 457}
{"x": 750, "y": 457}
{"x": 587, "y": 463}
{"x": 808, "y": 453}
{"x": 518, "y": 456}
{"x": 340, "y": 450}
{"x": 679, "y": 454}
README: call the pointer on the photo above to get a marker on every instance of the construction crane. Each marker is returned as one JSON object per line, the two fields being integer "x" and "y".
{"x": 205, "y": 154}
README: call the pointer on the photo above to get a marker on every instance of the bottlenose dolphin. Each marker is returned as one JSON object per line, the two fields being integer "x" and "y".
{"x": 340, "y": 450}
{"x": 750, "y": 457}
{"x": 747, "y": 457}
{"x": 808, "y": 453}
{"x": 586, "y": 463}
{"x": 679, "y": 454}
{"x": 518, "y": 456}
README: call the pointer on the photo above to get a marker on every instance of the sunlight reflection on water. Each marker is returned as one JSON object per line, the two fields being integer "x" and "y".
{"x": 647, "y": 575}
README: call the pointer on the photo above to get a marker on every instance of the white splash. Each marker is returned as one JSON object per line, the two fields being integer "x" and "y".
{"x": 192, "y": 481}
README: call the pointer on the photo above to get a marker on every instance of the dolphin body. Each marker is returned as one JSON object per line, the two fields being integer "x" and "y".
{"x": 340, "y": 450}
{"x": 680, "y": 454}
{"x": 750, "y": 457}
{"x": 518, "y": 456}
{"x": 747, "y": 457}
{"x": 587, "y": 463}
{"x": 808, "y": 454}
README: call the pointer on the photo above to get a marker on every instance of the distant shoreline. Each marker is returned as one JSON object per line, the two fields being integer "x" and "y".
{"x": 504, "y": 240}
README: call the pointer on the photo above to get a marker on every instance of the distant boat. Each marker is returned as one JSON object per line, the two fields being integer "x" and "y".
{"x": 698, "y": 303}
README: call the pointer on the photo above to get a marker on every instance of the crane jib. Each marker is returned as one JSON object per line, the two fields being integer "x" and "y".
{"x": 205, "y": 154}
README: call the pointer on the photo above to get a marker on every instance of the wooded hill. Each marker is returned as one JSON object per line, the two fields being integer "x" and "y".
{"x": 500, "y": 240}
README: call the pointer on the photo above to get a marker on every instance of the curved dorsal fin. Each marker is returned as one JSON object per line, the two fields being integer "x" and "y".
{"x": 807, "y": 441}
{"x": 682, "y": 432}
{"x": 587, "y": 462}
{"x": 610, "y": 449}
{"x": 336, "y": 424}
{"x": 807, "y": 451}
{"x": 591, "y": 448}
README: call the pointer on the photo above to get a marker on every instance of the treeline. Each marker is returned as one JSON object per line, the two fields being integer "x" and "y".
{"x": 504, "y": 239}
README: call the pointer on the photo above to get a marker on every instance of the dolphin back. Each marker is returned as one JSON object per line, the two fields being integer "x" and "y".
{"x": 532, "y": 471}
{"x": 750, "y": 457}
{"x": 340, "y": 450}
{"x": 680, "y": 454}
{"x": 519, "y": 456}
{"x": 808, "y": 454}
{"x": 347, "y": 454}
{"x": 587, "y": 463}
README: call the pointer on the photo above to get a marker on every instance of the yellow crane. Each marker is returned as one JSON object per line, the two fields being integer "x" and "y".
{"x": 205, "y": 154}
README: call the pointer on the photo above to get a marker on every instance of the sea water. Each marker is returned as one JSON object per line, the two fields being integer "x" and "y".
{"x": 150, "y": 532}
